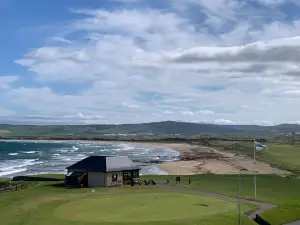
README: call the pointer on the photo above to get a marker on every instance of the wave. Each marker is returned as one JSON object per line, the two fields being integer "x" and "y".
{"x": 13, "y": 153}
{"x": 50, "y": 158}
{"x": 15, "y": 164}
{"x": 5, "y": 173}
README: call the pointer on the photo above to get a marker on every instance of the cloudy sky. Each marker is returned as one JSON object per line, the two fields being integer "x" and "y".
{"x": 131, "y": 61}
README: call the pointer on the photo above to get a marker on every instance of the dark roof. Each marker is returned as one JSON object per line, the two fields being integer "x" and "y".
{"x": 104, "y": 164}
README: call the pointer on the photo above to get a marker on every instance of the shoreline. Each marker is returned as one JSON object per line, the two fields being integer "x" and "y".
{"x": 195, "y": 159}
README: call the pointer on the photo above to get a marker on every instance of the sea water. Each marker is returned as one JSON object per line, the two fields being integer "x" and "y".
{"x": 42, "y": 157}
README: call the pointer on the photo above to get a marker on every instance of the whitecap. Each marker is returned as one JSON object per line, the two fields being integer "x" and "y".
{"x": 14, "y": 153}
{"x": 5, "y": 173}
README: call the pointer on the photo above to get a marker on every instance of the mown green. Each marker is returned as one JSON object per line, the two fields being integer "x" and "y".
{"x": 51, "y": 203}
{"x": 283, "y": 191}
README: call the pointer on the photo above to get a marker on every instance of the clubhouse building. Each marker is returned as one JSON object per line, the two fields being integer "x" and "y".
{"x": 102, "y": 171}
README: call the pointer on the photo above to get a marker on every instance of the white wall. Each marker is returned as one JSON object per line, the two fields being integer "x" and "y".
{"x": 96, "y": 179}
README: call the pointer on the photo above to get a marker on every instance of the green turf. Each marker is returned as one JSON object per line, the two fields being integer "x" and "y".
{"x": 47, "y": 204}
{"x": 286, "y": 156}
{"x": 142, "y": 208}
{"x": 270, "y": 188}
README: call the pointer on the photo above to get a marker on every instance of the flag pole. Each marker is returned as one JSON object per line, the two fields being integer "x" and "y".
{"x": 254, "y": 175}
{"x": 239, "y": 199}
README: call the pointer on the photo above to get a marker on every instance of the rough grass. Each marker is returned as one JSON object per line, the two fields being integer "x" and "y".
{"x": 282, "y": 155}
{"x": 51, "y": 203}
{"x": 286, "y": 156}
{"x": 270, "y": 188}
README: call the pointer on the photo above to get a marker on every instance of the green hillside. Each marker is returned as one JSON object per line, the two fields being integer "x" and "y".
{"x": 157, "y": 128}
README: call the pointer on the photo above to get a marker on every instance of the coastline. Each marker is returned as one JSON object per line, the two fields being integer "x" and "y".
{"x": 195, "y": 159}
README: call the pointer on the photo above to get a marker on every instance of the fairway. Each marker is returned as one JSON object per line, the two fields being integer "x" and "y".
{"x": 142, "y": 208}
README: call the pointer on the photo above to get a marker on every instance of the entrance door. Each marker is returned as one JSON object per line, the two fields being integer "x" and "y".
{"x": 127, "y": 177}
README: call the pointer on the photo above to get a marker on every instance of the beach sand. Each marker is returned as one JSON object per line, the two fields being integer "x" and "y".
{"x": 196, "y": 159}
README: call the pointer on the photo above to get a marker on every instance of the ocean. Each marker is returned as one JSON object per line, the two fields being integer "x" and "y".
{"x": 43, "y": 157}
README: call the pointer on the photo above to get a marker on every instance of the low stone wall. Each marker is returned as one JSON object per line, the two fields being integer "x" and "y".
{"x": 261, "y": 221}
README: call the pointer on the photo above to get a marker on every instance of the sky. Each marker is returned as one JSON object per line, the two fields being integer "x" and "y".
{"x": 134, "y": 61}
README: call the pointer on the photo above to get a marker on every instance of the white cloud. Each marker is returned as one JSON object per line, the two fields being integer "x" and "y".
{"x": 62, "y": 40}
{"x": 271, "y": 2}
{"x": 188, "y": 113}
{"x": 6, "y": 81}
{"x": 6, "y": 112}
{"x": 263, "y": 123}
{"x": 168, "y": 112}
{"x": 223, "y": 122}
{"x": 128, "y": 105}
{"x": 279, "y": 50}
{"x": 143, "y": 64}
{"x": 205, "y": 112}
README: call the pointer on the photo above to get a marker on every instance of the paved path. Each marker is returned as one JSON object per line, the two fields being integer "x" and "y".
{"x": 294, "y": 223}
{"x": 263, "y": 206}
{"x": 251, "y": 214}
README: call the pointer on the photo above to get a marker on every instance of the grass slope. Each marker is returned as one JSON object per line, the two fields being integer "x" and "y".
{"x": 47, "y": 204}
{"x": 286, "y": 156}
{"x": 165, "y": 127}
{"x": 270, "y": 188}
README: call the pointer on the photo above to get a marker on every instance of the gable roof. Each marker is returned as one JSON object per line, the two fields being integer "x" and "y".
{"x": 104, "y": 164}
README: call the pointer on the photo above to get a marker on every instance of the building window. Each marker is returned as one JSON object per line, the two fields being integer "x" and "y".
{"x": 135, "y": 174}
{"x": 125, "y": 175}
{"x": 114, "y": 177}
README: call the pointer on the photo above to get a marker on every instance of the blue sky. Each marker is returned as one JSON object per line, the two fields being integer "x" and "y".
{"x": 131, "y": 61}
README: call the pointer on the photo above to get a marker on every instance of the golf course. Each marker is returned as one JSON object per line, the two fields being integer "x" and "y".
{"x": 46, "y": 203}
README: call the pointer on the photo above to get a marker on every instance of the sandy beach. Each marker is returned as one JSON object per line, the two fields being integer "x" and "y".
{"x": 197, "y": 159}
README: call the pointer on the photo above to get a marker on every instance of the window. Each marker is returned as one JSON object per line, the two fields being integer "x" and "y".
{"x": 125, "y": 175}
{"x": 114, "y": 177}
{"x": 135, "y": 174}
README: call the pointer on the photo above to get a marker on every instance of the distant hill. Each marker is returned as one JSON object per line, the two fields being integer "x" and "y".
{"x": 156, "y": 128}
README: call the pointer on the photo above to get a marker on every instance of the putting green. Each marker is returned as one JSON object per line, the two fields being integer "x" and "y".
{"x": 141, "y": 208}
